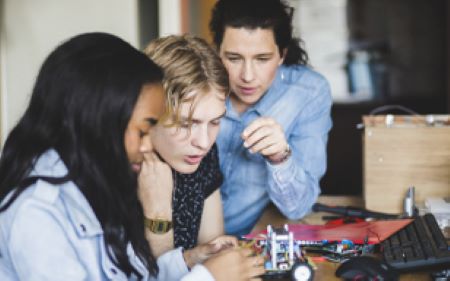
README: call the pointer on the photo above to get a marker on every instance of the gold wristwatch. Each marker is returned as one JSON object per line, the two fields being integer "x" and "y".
{"x": 158, "y": 225}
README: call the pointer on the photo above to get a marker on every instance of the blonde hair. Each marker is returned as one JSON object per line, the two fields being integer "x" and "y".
{"x": 191, "y": 67}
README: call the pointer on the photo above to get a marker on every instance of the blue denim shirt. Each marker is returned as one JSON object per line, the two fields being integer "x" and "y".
{"x": 299, "y": 100}
{"x": 50, "y": 232}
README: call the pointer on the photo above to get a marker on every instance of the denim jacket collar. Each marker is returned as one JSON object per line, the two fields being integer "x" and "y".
{"x": 81, "y": 214}
{"x": 79, "y": 210}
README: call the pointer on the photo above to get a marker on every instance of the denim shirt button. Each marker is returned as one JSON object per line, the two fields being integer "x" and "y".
{"x": 113, "y": 270}
{"x": 279, "y": 176}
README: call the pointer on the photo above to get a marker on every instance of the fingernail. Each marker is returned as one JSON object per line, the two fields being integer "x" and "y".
{"x": 245, "y": 144}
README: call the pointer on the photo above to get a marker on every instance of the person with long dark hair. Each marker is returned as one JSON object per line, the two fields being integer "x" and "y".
{"x": 68, "y": 172}
{"x": 272, "y": 141}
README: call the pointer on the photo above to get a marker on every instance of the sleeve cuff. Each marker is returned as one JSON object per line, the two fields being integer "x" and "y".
{"x": 198, "y": 272}
{"x": 172, "y": 265}
{"x": 283, "y": 172}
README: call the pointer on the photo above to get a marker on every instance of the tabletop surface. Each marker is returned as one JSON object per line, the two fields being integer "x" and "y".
{"x": 324, "y": 270}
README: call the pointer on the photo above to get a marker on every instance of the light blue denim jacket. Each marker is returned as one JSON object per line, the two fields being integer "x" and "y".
{"x": 299, "y": 100}
{"x": 51, "y": 233}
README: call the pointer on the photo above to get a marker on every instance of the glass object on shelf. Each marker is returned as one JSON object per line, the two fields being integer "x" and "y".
{"x": 367, "y": 72}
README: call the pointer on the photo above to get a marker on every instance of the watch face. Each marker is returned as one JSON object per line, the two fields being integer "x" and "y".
{"x": 161, "y": 227}
{"x": 158, "y": 226}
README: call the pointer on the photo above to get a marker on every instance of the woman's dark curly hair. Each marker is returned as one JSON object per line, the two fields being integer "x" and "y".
{"x": 252, "y": 14}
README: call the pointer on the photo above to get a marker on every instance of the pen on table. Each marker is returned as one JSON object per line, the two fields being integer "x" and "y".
{"x": 327, "y": 218}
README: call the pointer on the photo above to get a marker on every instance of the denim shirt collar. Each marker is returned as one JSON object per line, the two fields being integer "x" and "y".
{"x": 273, "y": 93}
{"x": 78, "y": 208}
{"x": 231, "y": 112}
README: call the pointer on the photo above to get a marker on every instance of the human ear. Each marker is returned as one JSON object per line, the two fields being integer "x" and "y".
{"x": 282, "y": 56}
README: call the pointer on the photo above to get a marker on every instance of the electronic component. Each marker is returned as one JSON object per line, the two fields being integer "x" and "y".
{"x": 282, "y": 254}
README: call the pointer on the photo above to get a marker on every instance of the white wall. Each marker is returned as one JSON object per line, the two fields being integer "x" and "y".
{"x": 322, "y": 26}
{"x": 30, "y": 30}
{"x": 169, "y": 12}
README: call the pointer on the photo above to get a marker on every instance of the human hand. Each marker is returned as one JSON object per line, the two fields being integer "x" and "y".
{"x": 235, "y": 264}
{"x": 264, "y": 135}
{"x": 155, "y": 187}
{"x": 202, "y": 252}
{"x": 223, "y": 242}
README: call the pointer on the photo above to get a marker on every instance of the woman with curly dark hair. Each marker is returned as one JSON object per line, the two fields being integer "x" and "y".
{"x": 272, "y": 141}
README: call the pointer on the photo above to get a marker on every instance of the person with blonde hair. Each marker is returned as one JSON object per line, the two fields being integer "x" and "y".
{"x": 183, "y": 206}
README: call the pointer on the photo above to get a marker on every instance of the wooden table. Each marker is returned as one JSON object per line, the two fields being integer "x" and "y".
{"x": 325, "y": 270}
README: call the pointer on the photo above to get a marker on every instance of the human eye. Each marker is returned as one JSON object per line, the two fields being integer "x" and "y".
{"x": 215, "y": 122}
{"x": 184, "y": 124}
{"x": 233, "y": 58}
{"x": 152, "y": 121}
{"x": 263, "y": 59}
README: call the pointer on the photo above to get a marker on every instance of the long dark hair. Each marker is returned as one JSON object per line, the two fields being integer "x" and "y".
{"x": 252, "y": 14}
{"x": 81, "y": 104}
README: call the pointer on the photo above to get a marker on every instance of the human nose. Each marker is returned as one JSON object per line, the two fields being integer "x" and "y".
{"x": 247, "y": 72}
{"x": 145, "y": 144}
{"x": 201, "y": 137}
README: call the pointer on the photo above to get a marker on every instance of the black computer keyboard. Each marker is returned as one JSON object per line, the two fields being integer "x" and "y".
{"x": 418, "y": 246}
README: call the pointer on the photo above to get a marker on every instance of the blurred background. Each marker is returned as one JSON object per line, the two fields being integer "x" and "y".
{"x": 373, "y": 52}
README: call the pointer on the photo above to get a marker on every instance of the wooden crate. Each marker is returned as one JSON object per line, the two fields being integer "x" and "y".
{"x": 403, "y": 151}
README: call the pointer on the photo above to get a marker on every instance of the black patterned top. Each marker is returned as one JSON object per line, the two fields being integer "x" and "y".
{"x": 190, "y": 193}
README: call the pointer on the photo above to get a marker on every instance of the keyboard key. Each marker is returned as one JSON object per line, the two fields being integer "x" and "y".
{"x": 418, "y": 252}
{"x": 436, "y": 232}
{"x": 394, "y": 240}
